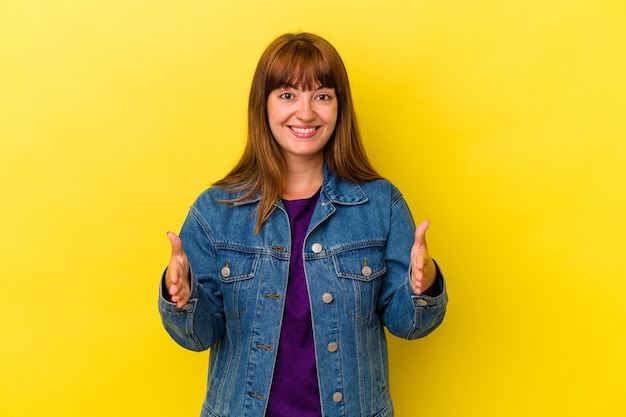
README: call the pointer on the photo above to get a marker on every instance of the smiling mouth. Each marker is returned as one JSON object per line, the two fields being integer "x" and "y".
{"x": 303, "y": 131}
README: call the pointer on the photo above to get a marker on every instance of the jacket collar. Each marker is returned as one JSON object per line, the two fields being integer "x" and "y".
{"x": 340, "y": 191}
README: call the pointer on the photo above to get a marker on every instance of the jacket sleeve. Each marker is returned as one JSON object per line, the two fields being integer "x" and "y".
{"x": 404, "y": 313}
{"x": 201, "y": 322}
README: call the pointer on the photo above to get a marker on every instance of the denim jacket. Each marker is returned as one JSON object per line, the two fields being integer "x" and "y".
{"x": 356, "y": 260}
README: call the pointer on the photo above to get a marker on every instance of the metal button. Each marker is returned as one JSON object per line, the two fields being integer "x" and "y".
{"x": 316, "y": 248}
{"x": 366, "y": 271}
{"x": 332, "y": 347}
{"x": 337, "y": 397}
{"x": 225, "y": 272}
{"x": 327, "y": 298}
{"x": 422, "y": 303}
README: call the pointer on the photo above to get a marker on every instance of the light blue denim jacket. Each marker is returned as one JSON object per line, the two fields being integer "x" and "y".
{"x": 356, "y": 259}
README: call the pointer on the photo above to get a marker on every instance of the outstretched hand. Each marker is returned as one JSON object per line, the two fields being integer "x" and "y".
{"x": 423, "y": 270}
{"x": 177, "y": 278}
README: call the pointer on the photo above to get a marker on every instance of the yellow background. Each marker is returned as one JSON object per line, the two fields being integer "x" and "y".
{"x": 503, "y": 122}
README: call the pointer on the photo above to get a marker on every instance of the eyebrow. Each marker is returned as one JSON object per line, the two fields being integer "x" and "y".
{"x": 295, "y": 87}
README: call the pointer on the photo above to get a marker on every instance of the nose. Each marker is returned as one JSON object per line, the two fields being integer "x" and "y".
{"x": 305, "y": 110}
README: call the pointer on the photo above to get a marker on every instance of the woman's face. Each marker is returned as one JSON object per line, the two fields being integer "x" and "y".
{"x": 301, "y": 121}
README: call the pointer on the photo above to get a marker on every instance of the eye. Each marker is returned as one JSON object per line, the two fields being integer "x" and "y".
{"x": 325, "y": 96}
{"x": 286, "y": 95}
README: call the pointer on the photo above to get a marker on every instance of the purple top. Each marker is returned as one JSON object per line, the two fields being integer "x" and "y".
{"x": 295, "y": 391}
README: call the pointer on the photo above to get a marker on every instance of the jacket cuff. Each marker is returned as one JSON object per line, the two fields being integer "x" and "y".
{"x": 164, "y": 297}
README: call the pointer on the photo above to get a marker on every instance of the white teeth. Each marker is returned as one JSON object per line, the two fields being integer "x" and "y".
{"x": 302, "y": 130}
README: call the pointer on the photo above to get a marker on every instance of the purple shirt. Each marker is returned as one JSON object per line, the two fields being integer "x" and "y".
{"x": 295, "y": 390}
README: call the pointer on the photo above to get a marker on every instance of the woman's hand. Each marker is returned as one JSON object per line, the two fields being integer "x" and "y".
{"x": 177, "y": 278}
{"x": 423, "y": 270}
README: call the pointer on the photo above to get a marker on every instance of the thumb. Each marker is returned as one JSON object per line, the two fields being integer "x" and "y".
{"x": 420, "y": 234}
{"x": 177, "y": 244}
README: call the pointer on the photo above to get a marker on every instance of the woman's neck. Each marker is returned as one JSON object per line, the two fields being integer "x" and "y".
{"x": 303, "y": 180}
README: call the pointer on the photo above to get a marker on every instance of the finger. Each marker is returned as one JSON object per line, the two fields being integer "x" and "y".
{"x": 417, "y": 278}
{"x": 173, "y": 273}
{"x": 419, "y": 262}
{"x": 179, "y": 295}
{"x": 420, "y": 234}
{"x": 417, "y": 285}
{"x": 180, "y": 299}
{"x": 174, "y": 288}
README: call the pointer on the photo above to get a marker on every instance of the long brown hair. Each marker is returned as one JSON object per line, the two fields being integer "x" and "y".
{"x": 304, "y": 60}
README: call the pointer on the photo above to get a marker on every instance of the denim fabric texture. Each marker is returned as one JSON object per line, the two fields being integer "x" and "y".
{"x": 356, "y": 260}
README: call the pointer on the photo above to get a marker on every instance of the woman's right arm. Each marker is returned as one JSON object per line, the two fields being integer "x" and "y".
{"x": 191, "y": 312}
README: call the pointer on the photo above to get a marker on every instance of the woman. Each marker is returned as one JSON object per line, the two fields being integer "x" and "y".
{"x": 289, "y": 267}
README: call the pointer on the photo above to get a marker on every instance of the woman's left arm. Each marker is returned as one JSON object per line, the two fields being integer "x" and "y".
{"x": 413, "y": 297}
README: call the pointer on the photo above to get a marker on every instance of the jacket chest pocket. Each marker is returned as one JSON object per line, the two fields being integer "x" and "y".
{"x": 360, "y": 271}
{"x": 236, "y": 270}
